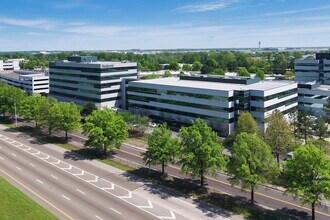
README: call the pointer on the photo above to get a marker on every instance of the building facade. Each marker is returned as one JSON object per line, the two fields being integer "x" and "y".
{"x": 83, "y": 79}
{"x": 9, "y": 64}
{"x": 217, "y": 100}
{"x": 31, "y": 82}
{"x": 313, "y": 78}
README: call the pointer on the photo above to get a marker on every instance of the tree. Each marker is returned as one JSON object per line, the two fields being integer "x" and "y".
{"x": 51, "y": 115}
{"x": 172, "y": 66}
{"x": 88, "y": 109}
{"x": 323, "y": 145}
{"x": 105, "y": 130}
{"x": 9, "y": 97}
{"x": 242, "y": 71}
{"x": 321, "y": 128}
{"x": 326, "y": 108}
{"x": 307, "y": 176}
{"x": 31, "y": 108}
{"x": 261, "y": 74}
{"x": 278, "y": 135}
{"x": 69, "y": 118}
{"x": 304, "y": 125}
{"x": 251, "y": 163}
{"x": 288, "y": 75}
{"x": 253, "y": 69}
{"x": 167, "y": 74}
{"x": 209, "y": 66}
{"x": 187, "y": 67}
{"x": 136, "y": 124}
{"x": 246, "y": 123}
{"x": 162, "y": 148}
{"x": 151, "y": 76}
{"x": 197, "y": 66}
{"x": 293, "y": 118}
{"x": 200, "y": 150}
{"x": 218, "y": 71}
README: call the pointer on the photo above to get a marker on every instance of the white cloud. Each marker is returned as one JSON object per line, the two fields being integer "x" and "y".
{"x": 325, "y": 7}
{"x": 68, "y": 4}
{"x": 37, "y": 23}
{"x": 203, "y": 7}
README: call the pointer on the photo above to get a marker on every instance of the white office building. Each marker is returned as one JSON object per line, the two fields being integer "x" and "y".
{"x": 12, "y": 64}
{"x": 31, "y": 82}
{"x": 83, "y": 79}
{"x": 217, "y": 100}
{"x": 313, "y": 78}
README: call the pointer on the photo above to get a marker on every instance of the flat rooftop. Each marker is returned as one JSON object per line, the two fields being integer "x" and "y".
{"x": 259, "y": 86}
{"x": 16, "y": 74}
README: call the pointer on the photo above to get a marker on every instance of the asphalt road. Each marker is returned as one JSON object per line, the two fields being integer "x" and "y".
{"x": 72, "y": 188}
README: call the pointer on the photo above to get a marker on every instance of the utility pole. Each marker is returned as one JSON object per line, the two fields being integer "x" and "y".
{"x": 15, "y": 113}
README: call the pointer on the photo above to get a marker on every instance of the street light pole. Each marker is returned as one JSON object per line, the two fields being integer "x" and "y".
{"x": 15, "y": 113}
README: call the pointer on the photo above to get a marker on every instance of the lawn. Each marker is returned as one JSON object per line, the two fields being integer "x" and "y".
{"x": 16, "y": 205}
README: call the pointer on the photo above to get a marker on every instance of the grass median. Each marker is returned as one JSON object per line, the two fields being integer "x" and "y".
{"x": 16, "y": 205}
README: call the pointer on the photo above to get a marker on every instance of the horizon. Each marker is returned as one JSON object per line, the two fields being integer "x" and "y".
{"x": 100, "y": 25}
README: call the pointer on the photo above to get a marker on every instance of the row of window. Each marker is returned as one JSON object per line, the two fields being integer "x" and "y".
{"x": 176, "y": 93}
{"x": 86, "y": 90}
{"x": 85, "y": 98}
{"x": 179, "y": 103}
{"x": 89, "y": 77}
{"x": 98, "y": 86}
{"x": 94, "y": 70}
{"x": 188, "y": 114}
{"x": 285, "y": 103}
{"x": 277, "y": 95}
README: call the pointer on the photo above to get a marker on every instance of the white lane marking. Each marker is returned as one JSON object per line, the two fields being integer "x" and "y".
{"x": 81, "y": 191}
{"x": 115, "y": 211}
{"x": 40, "y": 181}
{"x": 79, "y": 174}
{"x": 66, "y": 197}
{"x": 14, "y": 155}
{"x": 54, "y": 177}
{"x": 98, "y": 217}
{"x": 32, "y": 164}
{"x": 68, "y": 168}
{"x": 19, "y": 168}
{"x": 149, "y": 206}
{"x": 0, "y": 147}
{"x": 1, "y": 158}
{"x": 90, "y": 181}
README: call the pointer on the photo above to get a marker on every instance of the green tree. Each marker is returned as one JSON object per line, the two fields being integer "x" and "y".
{"x": 32, "y": 108}
{"x": 218, "y": 71}
{"x": 151, "y": 76}
{"x": 187, "y": 67}
{"x": 321, "y": 128}
{"x": 304, "y": 125}
{"x": 209, "y": 66}
{"x": 278, "y": 135}
{"x": 167, "y": 74}
{"x": 201, "y": 150}
{"x": 261, "y": 74}
{"x": 253, "y": 69}
{"x": 136, "y": 124}
{"x": 293, "y": 118}
{"x": 173, "y": 66}
{"x": 197, "y": 66}
{"x": 162, "y": 148}
{"x": 242, "y": 71}
{"x": 307, "y": 176}
{"x": 105, "y": 130}
{"x": 88, "y": 109}
{"x": 251, "y": 163}
{"x": 246, "y": 123}
{"x": 289, "y": 75}
{"x": 326, "y": 108}
{"x": 51, "y": 115}
{"x": 9, "y": 97}
{"x": 320, "y": 144}
{"x": 69, "y": 118}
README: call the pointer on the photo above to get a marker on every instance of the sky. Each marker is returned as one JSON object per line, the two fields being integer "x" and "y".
{"x": 162, "y": 24}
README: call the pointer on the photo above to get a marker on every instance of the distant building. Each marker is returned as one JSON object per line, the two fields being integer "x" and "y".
{"x": 9, "y": 65}
{"x": 31, "y": 82}
{"x": 83, "y": 79}
{"x": 217, "y": 100}
{"x": 313, "y": 78}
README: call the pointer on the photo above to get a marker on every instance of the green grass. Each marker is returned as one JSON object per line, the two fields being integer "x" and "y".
{"x": 16, "y": 205}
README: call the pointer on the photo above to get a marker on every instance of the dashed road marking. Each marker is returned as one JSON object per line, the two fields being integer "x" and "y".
{"x": 19, "y": 168}
{"x": 39, "y": 181}
{"x": 14, "y": 155}
{"x": 119, "y": 213}
{"x": 54, "y": 177}
{"x": 32, "y": 164}
{"x": 66, "y": 197}
{"x": 1, "y": 158}
{"x": 98, "y": 217}
{"x": 81, "y": 191}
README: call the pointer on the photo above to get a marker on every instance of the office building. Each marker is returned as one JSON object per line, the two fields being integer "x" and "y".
{"x": 83, "y": 79}
{"x": 31, "y": 82}
{"x": 217, "y": 100}
{"x": 313, "y": 78}
{"x": 9, "y": 64}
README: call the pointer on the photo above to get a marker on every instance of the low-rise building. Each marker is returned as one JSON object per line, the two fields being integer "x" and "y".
{"x": 31, "y": 82}
{"x": 9, "y": 65}
{"x": 83, "y": 79}
{"x": 217, "y": 100}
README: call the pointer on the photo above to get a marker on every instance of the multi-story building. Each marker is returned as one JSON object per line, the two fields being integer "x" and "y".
{"x": 313, "y": 78}
{"x": 217, "y": 100}
{"x": 31, "y": 82}
{"x": 9, "y": 65}
{"x": 83, "y": 79}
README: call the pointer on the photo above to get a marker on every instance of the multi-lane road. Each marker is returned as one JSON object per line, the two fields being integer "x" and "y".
{"x": 76, "y": 188}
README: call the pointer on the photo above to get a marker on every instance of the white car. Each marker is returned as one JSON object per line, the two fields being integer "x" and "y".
{"x": 153, "y": 124}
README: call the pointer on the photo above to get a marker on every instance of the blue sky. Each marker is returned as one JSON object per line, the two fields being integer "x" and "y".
{"x": 152, "y": 24}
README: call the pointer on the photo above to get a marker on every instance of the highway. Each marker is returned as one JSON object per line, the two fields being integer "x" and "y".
{"x": 272, "y": 198}
{"x": 72, "y": 188}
